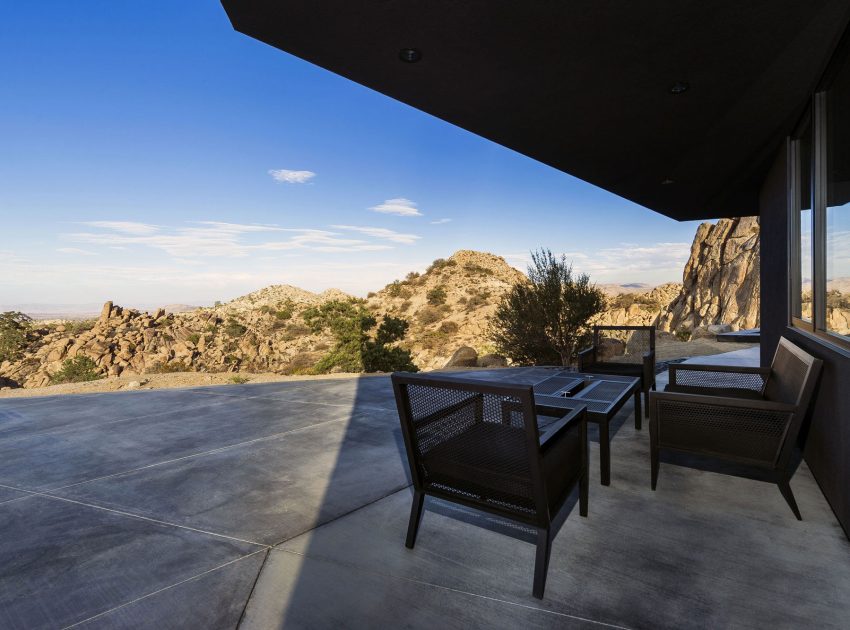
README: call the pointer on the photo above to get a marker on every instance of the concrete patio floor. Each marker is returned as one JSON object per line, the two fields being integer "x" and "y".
{"x": 286, "y": 504}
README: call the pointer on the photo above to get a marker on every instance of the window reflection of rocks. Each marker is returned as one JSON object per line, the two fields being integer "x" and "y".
{"x": 838, "y": 205}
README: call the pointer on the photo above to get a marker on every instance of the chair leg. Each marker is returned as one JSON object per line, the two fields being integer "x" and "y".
{"x": 646, "y": 400}
{"x": 541, "y": 563}
{"x": 785, "y": 489}
{"x": 415, "y": 518}
{"x": 638, "y": 415}
{"x": 653, "y": 451}
{"x": 583, "y": 486}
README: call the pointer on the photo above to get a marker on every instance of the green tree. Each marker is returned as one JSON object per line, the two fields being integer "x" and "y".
{"x": 350, "y": 323}
{"x": 546, "y": 320}
{"x": 14, "y": 331}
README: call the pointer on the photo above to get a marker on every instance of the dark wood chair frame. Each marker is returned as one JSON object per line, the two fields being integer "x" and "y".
{"x": 734, "y": 393}
{"x": 544, "y": 521}
{"x": 588, "y": 361}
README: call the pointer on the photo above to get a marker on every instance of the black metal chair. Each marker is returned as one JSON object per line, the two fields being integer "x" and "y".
{"x": 478, "y": 444}
{"x": 637, "y": 360}
{"x": 748, "y": 415}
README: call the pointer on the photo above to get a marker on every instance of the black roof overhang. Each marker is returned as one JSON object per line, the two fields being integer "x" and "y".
{"x": 587, "y": 86}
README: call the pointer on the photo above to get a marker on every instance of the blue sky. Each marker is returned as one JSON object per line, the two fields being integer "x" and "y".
{"x": 151, "y": 154}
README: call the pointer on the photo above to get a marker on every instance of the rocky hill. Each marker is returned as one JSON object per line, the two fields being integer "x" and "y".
{"x": 448, "y": 306}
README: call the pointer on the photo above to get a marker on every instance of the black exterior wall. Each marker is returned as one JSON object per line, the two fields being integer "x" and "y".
{"x": 827, "y": 440}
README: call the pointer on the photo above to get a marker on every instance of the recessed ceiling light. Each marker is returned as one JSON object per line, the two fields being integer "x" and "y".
{"x": 410, "y": 55}
{"x": 679, "y": 87}
{"x": 666, "y": 181}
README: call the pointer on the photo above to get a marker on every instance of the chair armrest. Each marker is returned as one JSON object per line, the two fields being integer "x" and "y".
{"x": 586, "y": 356}
{"x": 715, "y": 377}
{"x": 721, "y": 401}
{"x": 571, "y": 418}
{"x": 446, "y": 411}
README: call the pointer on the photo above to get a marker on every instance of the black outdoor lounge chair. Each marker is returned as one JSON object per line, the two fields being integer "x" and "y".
{"x": 478, "y": 444}
{"x": 747, "y": 415}
{"x": 637, "y": 361}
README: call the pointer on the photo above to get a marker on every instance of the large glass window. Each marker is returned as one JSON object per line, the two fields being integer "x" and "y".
{"x": 837, "y": 216}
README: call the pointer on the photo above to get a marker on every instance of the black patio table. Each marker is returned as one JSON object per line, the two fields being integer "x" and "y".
{"x": 603, "y": 395}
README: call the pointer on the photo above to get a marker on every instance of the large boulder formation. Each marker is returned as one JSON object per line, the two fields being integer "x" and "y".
{"x": 720, "y": 283}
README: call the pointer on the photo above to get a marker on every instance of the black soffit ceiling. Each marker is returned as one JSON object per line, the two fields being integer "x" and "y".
{"x": 587, "y": 86}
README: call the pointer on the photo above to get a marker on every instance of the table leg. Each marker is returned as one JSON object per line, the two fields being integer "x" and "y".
{"x": 604, "y": 453}
{"x": 638, "y": 416}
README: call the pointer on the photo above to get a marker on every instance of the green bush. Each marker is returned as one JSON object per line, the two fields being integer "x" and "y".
{"x": 168, "y": 368}
{"x": 440, "y": 264}
{"x": 15, "y": 328}
{"x": 449, "y": 328}
{"x": 239, "y": 380}
{"x": 436, "y": 296}
{"x": 194, "y": 338}
{"x": 349, "y": 322}
{"x": 412, "y": 277}
{"x": 79, "y": 326}
{"x": 394, "y": 288}
{"x": 234, "y": 328}
{"x": 428, "y": 315}
{"x": 77, "y": 370}
{"x": 683, "y": 334}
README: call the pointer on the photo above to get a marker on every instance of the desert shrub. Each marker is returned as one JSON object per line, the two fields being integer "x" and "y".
{"x": 14, "y": 334}
{"x": 546, "y": 320}
{"x": 449, "y": 328}
{"x": 477, "y": 270}
{"x": 265, "y": 309}
{"x": 285, "y": 310}
{"x": 428, "y": 315}
{"x": 683, "y": 334}
{"x": 625, "y": 300}
{"x": 194, "y": 338}
{"x": 234, "y": 328}
{"x": 440, "y": 264}
{"x": 217, "y": 303}
{"x": 236, "y": 379}
{"x": 436, "y": 296}
{"x": 79, "y": 326}
{"x": 405, "y": 305}
{"x": 394, "y": 288}
{"x": 168, "y": 337}
{"x": 164, "y": 367}
{"x": 300, "y": 364}
{"x": 296, "y": 330}
{"x": 412, "y": 277}
{"x": 371, "y": 294}
{"x": 77, "y": 370}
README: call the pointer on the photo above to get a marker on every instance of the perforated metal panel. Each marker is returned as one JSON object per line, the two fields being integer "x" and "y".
{"x": 472, "y": 445}
{"x": 754, "y": 434}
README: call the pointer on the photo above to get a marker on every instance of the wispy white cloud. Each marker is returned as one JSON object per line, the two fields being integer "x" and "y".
{"x": 287, "y": 176}
{"x": 206, "y": 239}
{"x": 627, "y": 262}
{"x": 124, "y": 227}
{"x": 382, "y": 233}
{"x": 76, "y": 251}
{"x": 400, "y": 206}
{"x": 440, "y": 221}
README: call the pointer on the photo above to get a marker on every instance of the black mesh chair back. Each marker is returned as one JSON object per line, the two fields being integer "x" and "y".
{"x": 476, "y": 442}
{"x": 789, "y": 375}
